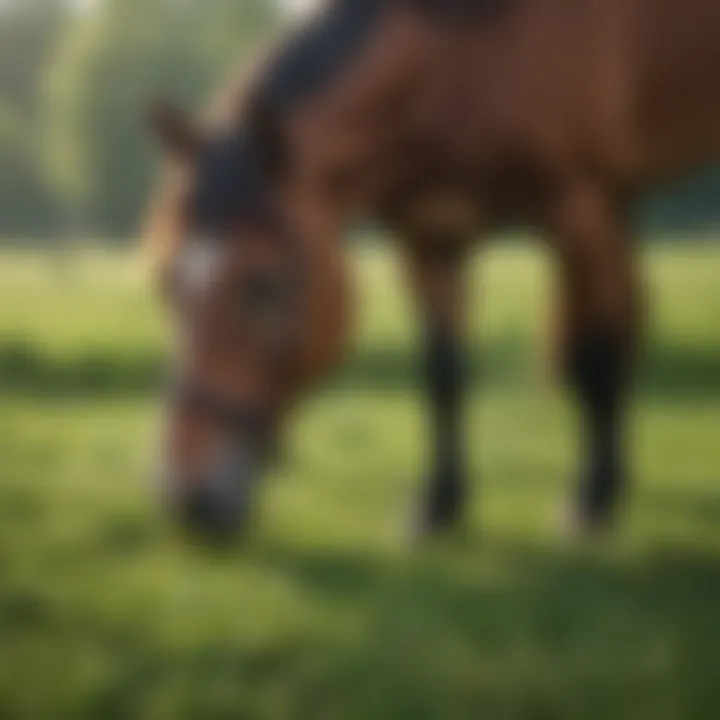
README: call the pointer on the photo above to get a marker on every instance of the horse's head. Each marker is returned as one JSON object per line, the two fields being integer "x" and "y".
{"x": 258, "y": 311}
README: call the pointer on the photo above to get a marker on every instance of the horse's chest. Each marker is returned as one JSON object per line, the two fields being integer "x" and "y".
{"x": 437, "y": 212}
{"x": 458, "y": 194}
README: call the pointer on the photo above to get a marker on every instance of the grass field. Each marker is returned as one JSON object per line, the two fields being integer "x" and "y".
{"x": 327, "y": 613}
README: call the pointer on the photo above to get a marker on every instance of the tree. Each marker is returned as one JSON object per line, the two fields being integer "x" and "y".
{"x": 108, "y": 68}
{"x": 29, "y": 32}
{"x": 25, "y": 201}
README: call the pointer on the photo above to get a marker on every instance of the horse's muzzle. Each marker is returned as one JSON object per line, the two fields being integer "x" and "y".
{"x": 216, "y": 509}
{"x": 212, "y": 514}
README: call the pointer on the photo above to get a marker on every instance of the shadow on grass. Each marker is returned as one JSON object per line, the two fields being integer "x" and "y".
{"x": 548, "y": 635}
{"x": 476, "y": 627}
{"x": 667, "y": 371}
{"x": 482, "y": 625}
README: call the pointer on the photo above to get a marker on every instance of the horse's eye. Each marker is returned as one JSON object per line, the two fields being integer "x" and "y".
{"x": 263, "y": 293}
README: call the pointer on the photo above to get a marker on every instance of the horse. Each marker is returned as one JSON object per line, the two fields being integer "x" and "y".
{"x": 441, "y": 120}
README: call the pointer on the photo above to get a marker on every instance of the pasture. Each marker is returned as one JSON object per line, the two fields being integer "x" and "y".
{"x": 327, "y": 612}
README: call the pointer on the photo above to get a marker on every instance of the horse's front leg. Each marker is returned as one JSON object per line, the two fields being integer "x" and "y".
{"x": 438, "y": 283}
{"x": 599, "y": 325}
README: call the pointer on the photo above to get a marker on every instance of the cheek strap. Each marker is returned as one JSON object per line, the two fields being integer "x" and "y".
{"x": 234, "y": 417}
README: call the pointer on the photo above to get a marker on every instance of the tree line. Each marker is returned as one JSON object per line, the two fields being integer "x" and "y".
{"x": 75, "y": 80}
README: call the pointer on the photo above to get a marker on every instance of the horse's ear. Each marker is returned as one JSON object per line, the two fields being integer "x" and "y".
{"x": 176, "y": 131}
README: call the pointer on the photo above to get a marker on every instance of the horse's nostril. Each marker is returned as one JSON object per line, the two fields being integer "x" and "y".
{"x": 212, "y": 513}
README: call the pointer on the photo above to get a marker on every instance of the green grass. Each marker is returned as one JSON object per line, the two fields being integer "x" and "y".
{"x": 328, "y": 613}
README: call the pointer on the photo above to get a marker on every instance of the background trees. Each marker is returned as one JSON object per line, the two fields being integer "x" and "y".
{"x": 30, "y": 31}
{"x": 107, "y": 68}
{"x": 75, "y": 83}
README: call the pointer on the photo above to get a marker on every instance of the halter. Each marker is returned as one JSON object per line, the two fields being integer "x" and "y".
{"x": 237, "y": 418}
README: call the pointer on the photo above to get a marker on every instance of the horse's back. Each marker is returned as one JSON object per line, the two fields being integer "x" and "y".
{"x": 629, "y": 86}
{"x": 677, "y": 89}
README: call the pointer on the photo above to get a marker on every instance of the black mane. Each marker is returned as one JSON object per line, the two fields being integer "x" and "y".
{"x": 318, "y": 53}
{"x": 463, "y": 10}
{"x": 231, "y": 183}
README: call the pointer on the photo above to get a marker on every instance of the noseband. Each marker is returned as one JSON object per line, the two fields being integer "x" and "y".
{"x": 235, "y": 182}
{"x": 232, "y": 417}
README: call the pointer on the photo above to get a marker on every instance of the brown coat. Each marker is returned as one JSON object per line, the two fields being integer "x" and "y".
{"x": 442, "y": 119}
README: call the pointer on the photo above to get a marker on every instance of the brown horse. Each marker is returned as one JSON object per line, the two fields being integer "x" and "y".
{"x": 442, "y": 119}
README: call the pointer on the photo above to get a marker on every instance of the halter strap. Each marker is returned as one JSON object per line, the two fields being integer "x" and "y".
{"x": 223, "y": 412}
{"x": 235, "y": 417}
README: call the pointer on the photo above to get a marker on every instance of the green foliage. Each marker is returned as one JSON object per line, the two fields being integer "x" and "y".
{"x": 691, "y": 204}
{"x": 25, "y": 199}
{"x": 110, "y": 66}
{"x": 29, "y": 32}
{"x": 327, "y": 613}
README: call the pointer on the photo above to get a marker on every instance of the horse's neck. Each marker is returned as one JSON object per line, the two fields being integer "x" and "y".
{"x": 342, "y": 136}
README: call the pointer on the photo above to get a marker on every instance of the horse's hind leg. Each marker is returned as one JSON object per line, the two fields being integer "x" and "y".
{"x": 598, "y": 330}
{"x": 437, "y": 277}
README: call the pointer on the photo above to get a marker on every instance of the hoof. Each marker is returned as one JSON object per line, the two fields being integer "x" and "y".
{"x": 429, "y": 524}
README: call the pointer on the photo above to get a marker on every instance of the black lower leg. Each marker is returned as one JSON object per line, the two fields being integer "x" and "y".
{"x": 598, "y": 366}
{"x": 444, "y": 379}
